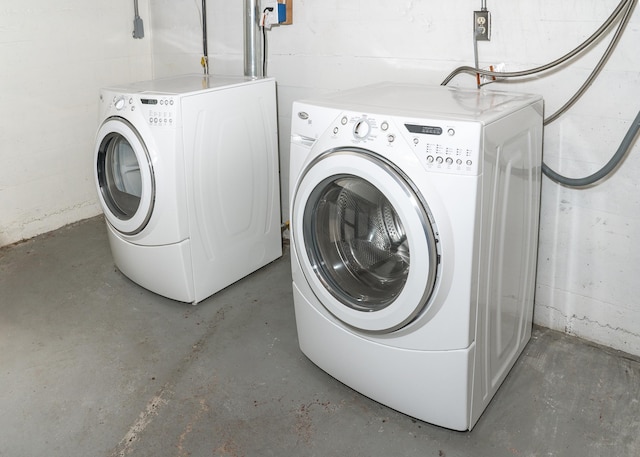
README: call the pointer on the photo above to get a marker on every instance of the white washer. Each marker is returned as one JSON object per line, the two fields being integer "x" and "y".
{"x": 414, "y": 228}
{"x": 187, "y": 175}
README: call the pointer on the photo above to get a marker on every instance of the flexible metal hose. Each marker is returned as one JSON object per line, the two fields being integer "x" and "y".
{"x": 555, "y": 63}
{"x": 625, "y": 7}
{"x": 627, "y": 141}
{"x": 601, "y": 63}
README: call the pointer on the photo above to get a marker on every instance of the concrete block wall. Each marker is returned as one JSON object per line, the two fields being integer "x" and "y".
{"x": 588, "y": 262}
{"x": 55, "y": 55}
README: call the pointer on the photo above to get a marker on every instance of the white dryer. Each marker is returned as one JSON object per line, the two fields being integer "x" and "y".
{"x": 187, "y": 174}
{"x": 414, "y": 217}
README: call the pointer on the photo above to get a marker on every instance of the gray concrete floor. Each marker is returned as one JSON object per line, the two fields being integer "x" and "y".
{"x": 93, "y": 365}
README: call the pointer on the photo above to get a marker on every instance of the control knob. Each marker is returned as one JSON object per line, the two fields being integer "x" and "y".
{"x": 362, "y": 129}
{"x": 119, "y": 102}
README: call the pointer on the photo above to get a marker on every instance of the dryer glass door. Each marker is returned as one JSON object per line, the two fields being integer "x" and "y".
{"x": 358, "y": 242}
{"x": 124, "y": 176}
{"x": 366, "y": 239}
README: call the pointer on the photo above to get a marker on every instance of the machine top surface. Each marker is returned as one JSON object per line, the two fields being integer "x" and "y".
{"x": 427, "y": 101}
{"x": 185, "y": 84}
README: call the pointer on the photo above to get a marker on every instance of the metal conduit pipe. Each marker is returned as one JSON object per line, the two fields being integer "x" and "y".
{"x": 252, "y": 40}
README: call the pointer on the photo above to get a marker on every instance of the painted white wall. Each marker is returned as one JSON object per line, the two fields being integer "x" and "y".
{"x": 54, "y": 57}
{"x": 589, "y": 262}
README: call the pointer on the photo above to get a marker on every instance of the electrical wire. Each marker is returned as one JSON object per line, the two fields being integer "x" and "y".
{"x": 624, "y": 9}
{"x": 204, "y": 60}
{"x": 264, "y": 40}
{"x": 205, "y": 50}
{"x": 264, "y": 51}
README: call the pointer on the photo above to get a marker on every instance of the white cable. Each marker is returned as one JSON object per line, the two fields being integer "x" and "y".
{"x": 199, "y": 14}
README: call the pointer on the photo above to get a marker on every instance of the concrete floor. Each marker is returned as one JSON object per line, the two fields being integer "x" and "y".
{"x": 93, "y": 365}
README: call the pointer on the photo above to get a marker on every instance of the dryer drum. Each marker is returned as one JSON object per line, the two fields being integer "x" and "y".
{"x": 358, "y": 243}
{"x": 119, "y": 176}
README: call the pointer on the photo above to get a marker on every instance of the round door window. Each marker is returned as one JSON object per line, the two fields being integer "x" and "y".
{"x": 365, "y": 240}
{"x": 357, "y": 243}
{"x": 124, "y": 177}
{"x": 121, "y": 182}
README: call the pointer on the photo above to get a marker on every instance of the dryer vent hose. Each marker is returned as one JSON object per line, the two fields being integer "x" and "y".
{"x": 625, "y": 146}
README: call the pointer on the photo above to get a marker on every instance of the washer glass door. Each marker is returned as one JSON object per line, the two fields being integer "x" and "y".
{"x": 124, "y": 176}
{"x": 367, "y": 244}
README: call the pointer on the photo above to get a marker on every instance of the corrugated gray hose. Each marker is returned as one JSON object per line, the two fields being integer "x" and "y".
{"x": 615, "y": 160}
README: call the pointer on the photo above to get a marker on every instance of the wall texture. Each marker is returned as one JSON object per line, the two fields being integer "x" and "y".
{"x": 55, "y": 55}
{"x": 589, "y": 263}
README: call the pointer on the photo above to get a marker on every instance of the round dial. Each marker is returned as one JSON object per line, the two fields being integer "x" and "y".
{"x": 362, "y": 129}
{"x": 119, "y": 103}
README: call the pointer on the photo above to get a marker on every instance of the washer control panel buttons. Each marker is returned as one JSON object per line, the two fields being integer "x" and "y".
{"x": 443, "y": 145}
{"x": 160, "y": 112}
{"x": 156, "y": 110}
{"x": 449, "y": 159}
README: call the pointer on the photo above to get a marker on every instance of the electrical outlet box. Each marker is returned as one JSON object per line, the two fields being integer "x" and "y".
{"x": 269, "y": 13}
{"x": 276, "y": 12}
{"x": 482, "y": 25}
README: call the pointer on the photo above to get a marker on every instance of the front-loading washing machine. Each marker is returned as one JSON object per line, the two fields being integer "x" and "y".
{"x": 414, "y": 233}
{"x": 187, "y": 174}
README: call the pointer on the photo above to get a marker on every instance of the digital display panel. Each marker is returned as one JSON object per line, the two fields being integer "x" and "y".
{"x": 424, "y": 129}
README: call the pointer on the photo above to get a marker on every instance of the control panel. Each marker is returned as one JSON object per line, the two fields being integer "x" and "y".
{"x": 361, "y": 128}
{"x": 157, "y": 111}
{"x": 445, "y": 146}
